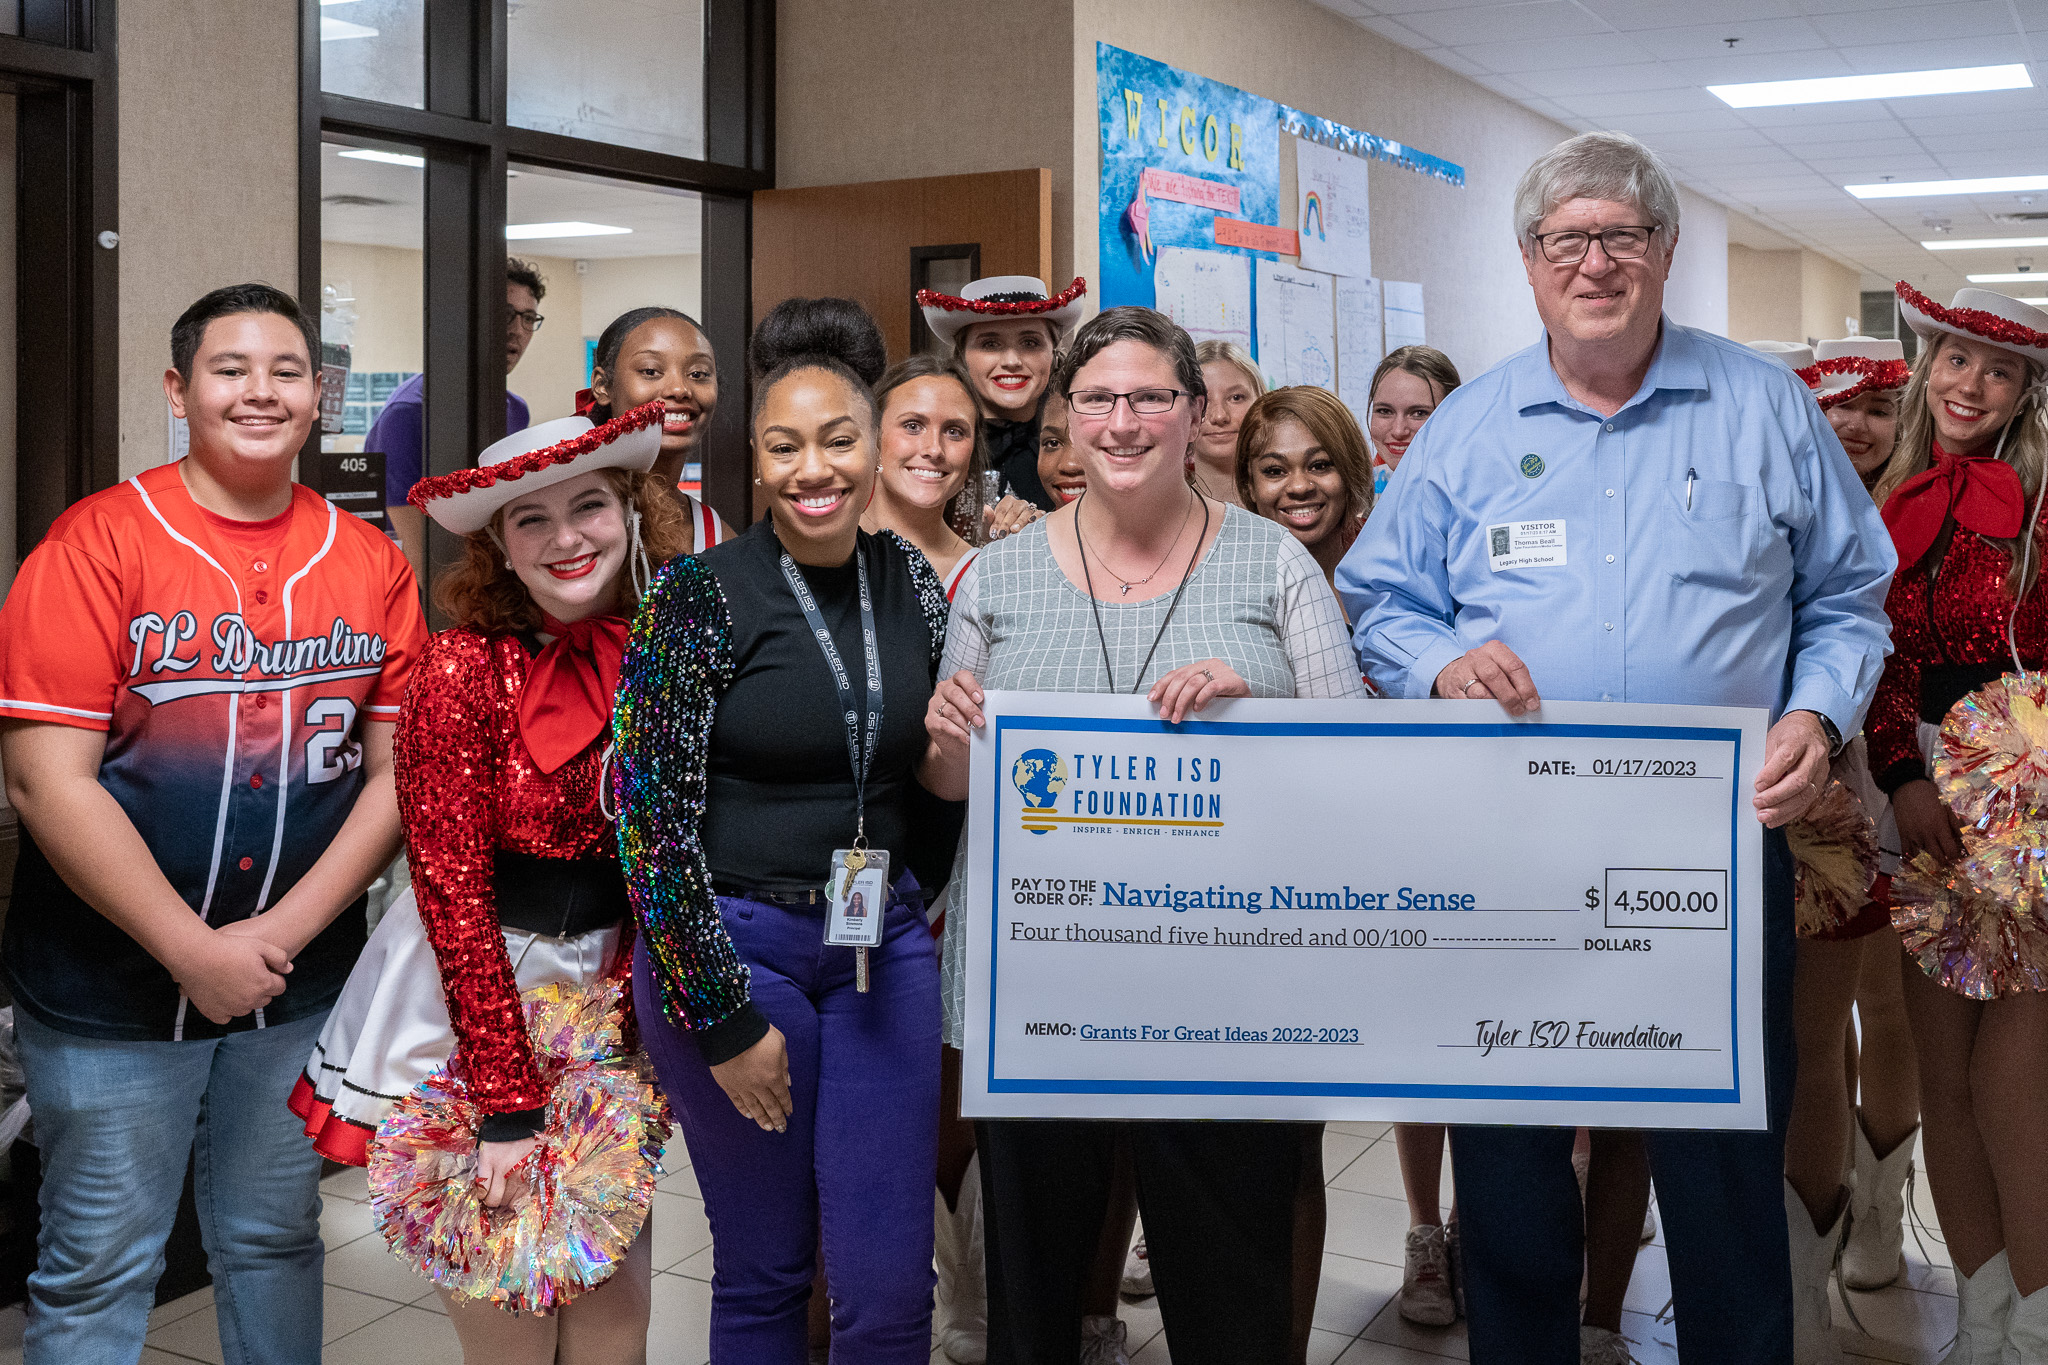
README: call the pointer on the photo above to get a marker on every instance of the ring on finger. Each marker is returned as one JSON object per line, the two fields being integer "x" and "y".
{"x": 1207, "y": 674}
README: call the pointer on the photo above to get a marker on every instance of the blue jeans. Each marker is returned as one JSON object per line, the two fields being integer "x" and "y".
{"x": 116, "y": 1122}
{"x": 859, "y": 1159}
{"x": 1721, "y": 1193}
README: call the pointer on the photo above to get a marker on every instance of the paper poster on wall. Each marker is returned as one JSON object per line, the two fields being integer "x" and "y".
{"x": 1332, "y": 210}
{"x": 1297, "y": 327}
{"x": 1209, "y": 293}
{"x": 1178, "y": 152}
{"x": 1403, "y": 310}
{"x": 1359, "y": 344}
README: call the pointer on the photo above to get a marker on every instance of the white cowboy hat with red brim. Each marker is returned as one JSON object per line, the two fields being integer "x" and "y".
{"x": 1854, "y": 366}
{"x": 1981, "y": 315}
{"x": 540, "y": 456}
{"x": 999, "y": 298}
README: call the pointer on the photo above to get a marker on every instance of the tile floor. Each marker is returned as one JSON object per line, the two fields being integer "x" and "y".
{"x": 378, "y": 1312}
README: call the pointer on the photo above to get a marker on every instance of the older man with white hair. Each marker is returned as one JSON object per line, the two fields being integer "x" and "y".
{"x": 1718, "y": 549}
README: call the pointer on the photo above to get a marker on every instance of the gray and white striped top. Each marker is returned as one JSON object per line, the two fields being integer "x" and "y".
{"x": 1258, "y": 601}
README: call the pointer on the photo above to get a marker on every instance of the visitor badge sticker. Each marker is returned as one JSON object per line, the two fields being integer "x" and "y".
{"x": 1525, "y": 545}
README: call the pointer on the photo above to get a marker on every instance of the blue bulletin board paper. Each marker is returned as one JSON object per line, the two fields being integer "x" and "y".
{"x": 1158, "y": 117}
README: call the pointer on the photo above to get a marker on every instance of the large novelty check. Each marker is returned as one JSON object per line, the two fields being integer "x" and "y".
{"x": 1414, "y": 911}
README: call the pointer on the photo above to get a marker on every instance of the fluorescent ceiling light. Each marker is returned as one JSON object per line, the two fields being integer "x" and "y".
{"x": 1894, "y": 85}
{"x": 522, "y": 232}
{"x": 331, "y": 29}
{"x": 1985, "y": 243}
{"x": 2010, "y": 277}
{"x": 388, "y": 158}
{"x": 1907, "y": 189}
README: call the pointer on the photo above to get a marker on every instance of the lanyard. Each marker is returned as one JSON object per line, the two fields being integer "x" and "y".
{"x": 860, "y": 750}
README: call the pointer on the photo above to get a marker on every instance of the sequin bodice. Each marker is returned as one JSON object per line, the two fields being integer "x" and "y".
{"x": 466, "y": 788}
{"x": 1956, "y": 615}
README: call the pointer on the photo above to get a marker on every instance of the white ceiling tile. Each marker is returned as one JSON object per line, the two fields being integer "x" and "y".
{"x": 2017, "y": 140}
{"x": 1738, "y": 66}
{"x": 1595, "y": 56}
{"x": 1847, "y": 115}
{"x": 2033, "y": 13}
{"x": 1990, "y": 108}
{"x": 1505, "y": 86}
{"x": 1620, "y": 104}
{"x": 1733, "y": 137}
{"x": 1938, "y": 125}
{"x": 1863, "y": 170}
{"x": 1603, "y": 80}
{"x": 1931, "y": 54}
{"x": 1818, "y": 149}
{"x": 1398, "y": 7}
{"x": 1647, "y": 126}
{"x": 1397, "y": 32}
{"x": 1710, "y": 40}
{"x": 1638, "y": 14}
{"x": 1457, "y": 61}
{"x": 1929, "y": 23}
{"x": 1544, "y": 19}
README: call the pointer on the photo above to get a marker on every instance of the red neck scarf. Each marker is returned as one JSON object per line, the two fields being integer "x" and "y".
{"x": 567, "y": 701}
{"x": 1982, "y": 492}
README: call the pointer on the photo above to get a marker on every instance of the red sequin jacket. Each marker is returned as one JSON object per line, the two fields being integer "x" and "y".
{"x": 466, "y": 788}
{"x": 1952, "y": 617}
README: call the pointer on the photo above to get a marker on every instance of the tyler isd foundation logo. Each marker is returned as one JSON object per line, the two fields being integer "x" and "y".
{"x": 1038, "y": 775}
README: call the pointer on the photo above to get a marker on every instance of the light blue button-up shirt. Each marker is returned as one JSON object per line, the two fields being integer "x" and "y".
{"x": 1718, "y": 547}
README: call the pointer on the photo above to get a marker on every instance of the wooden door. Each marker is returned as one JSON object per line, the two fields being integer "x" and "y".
{"x": 859, "y": 241}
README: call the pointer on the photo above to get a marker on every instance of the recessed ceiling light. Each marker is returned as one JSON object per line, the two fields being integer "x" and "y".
{"x": 1907, "y": 189}
{"x": 387, "y": 158}
{"x": 1891, "y": 86}
{"x": 1985, "y": 243}
{"x": 331, "y": 29}
{"x": 522, "y": 232}
{"x": 2008, "y": 277}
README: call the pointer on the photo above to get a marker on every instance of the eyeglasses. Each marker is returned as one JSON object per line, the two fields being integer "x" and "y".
{"x": 1620, "y": 244}
{"x": 1144, "y": 402}
{"x": 528, "y": 319}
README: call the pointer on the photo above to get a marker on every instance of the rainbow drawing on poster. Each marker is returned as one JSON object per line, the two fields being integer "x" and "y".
{"x": 1312, "y": 216}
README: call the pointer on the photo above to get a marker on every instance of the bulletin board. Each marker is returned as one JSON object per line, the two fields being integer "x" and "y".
{"x": 1190, "y": 221}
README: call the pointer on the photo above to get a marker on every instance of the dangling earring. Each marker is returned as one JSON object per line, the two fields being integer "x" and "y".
{"x": 640, "y": 570}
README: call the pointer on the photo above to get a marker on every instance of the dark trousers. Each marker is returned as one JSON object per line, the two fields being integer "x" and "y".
{"x": 1721, "y": 1194}
{"x": 1218, "y": 1205}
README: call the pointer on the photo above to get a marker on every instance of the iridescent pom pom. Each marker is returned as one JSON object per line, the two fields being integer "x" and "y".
{"x": 1992, "y": 761}
{"x": 1976, "y": 926}
{"x": 1834, "y": 852}
{"x": 577, "y": 1203}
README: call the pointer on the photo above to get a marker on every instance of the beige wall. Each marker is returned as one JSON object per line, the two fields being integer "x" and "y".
{"x": 1458, "y": 242}
{"x": 928, "y": 87}
{"x": 209, "y": 177}
{"x": 1791, "y": 295}
{"x": 386, "y": 284}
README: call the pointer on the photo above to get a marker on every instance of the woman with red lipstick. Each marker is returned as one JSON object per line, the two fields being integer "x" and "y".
{"x": 931, "y": 452}
{"x": 662, "y": 353}
{"x": 1302, "y": 462}
{"x": 806, "y": 1092}
{"x": 1405, "y": 390}
{"x": 1961, "y": 497}
{"x": 516, "y": 881}
{"x": 1004, "y": 330}
{"x": 1234, "y": 385}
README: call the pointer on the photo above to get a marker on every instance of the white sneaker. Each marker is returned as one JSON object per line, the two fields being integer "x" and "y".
{"x": 1598, "y": 1346}
{"x": 1137, "y": 1281}
{"x": 1426, "y": 1278}
{"x": 1102, "y": 1341}
{"x": 1874, "y": 1256}
{"x": 960, "y": 1304}
{"x": 1813, "y": 1258}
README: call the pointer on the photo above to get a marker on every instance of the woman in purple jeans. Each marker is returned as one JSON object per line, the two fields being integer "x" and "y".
{"x": 769, "y": 723}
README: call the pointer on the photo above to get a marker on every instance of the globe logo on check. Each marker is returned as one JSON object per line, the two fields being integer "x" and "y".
{"x": 1038, "y": 775}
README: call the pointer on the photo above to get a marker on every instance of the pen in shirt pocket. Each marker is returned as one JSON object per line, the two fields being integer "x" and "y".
{"x": 1690, "y": 475}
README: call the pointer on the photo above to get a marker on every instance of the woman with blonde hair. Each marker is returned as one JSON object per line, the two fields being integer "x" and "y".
{"x": 1302, "y": 462}
{"x": 1962, "y": 498}
{"x": 1235, "y": 383}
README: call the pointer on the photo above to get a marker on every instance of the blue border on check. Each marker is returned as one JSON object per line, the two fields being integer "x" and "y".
{"x": 1732, "y": 1094}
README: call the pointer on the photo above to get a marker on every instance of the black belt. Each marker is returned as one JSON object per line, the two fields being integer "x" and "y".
{"x": 813, "y": 896}
{"x": 1943, "y": 685}
{"x": 560, "y": 897}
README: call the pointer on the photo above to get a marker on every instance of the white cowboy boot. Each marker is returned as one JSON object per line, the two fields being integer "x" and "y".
{"x": 1874, "y": 1255}
{"x": 1813, "y": 1257}
{"x": 1983, "y": 1309}
{"x": 961, "y": 1318}
{"x": 2026, "y": 1333}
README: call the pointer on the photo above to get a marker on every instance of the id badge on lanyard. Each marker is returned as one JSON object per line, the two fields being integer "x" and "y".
{"x": 857, "y": 882}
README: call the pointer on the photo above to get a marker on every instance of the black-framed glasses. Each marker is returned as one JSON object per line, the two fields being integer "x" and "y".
{"x": 1144, "y": 402}
{"x": 527, "y": 319}
{"x": 1620, "y": 243}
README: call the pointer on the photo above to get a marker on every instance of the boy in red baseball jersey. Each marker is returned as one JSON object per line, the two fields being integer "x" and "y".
{"x": 200, "y": 670}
